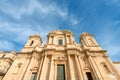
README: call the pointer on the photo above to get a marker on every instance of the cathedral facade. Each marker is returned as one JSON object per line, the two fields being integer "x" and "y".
{"x": 60, "y": 58}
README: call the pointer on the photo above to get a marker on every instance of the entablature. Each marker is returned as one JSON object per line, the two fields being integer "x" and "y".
{"x": 95, "y": 53}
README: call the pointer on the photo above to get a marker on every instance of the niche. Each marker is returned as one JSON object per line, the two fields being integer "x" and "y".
{"x": 105, "y": 67}
{"x": 17, "y": 68}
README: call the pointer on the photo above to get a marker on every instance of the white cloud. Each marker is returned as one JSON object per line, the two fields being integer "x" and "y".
{"x": 20, "y": 32}
{"x": 34, "y": 7}
{"x": 13, "y": 34}
{"x": 108, "y": 36}
{"x": 6, "y": 45}
{"x": 73, "y": 20}
{"x": 113, "y": 49}
{"x": 30, "y": 7}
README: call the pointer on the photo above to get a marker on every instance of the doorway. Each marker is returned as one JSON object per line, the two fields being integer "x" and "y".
{"x": 89, "y": 76}
{"x": 60, "y": 72}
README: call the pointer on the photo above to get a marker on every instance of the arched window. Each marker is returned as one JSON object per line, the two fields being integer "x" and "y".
{"x": 60, "y": 42}
{"x": 31, "y": 43}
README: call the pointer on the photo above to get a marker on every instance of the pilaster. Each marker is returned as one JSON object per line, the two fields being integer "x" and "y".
{"x": 70, "y": 69}
{"x": 51, "y": 69}
{"x": 81, "y": 68}
{"x": 80, "y": 77}
{"x": 42, "y": 75}
{"x": 28, "y": 72}
{"x": 39, "y": 69}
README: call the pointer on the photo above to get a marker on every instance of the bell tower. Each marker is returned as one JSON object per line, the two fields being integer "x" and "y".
{"x": 88, "y": 42}
{"x": 34, "y": 40}
{"x": 97, "y": 59}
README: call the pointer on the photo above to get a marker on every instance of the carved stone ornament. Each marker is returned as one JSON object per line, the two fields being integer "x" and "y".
{"x": 4, "y": 66}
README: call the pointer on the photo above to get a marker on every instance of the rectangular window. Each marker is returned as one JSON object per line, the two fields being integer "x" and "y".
{"x": 60, "y": 72}
{"x": 89, "y": 76}
{"x": 33, "y": 77}
{"x": 60, "y": 42}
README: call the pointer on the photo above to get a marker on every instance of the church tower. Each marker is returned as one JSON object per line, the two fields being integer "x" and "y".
{"x": 60, "y": 58}
{"x": 100, "y": 66}
{"x": 34, "y": 41}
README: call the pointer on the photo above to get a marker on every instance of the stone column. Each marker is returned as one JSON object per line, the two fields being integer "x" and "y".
{"x": 95, "y": 69}
{"x": 80, "y": 77}
{"x": 22, "y": 70}
{"x": 51, "y": 69}
{"x": 81, "y": 68}
{"x": 39, "y": 70}
{"x": 98, "y": 67}
{"x": 70, "y": 69}
{"x": 27, "y": 73}
{"x": 42, "y": 70}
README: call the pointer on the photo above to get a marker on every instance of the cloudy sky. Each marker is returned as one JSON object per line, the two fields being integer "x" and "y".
{"x": 21, "y": 18}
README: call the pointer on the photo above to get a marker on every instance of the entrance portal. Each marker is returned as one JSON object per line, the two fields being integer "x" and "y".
{"x": 89, "y": 76}
{"x": 60, "y": 72}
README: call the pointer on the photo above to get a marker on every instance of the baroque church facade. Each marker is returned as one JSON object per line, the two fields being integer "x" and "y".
{"x": 60, "y": 58}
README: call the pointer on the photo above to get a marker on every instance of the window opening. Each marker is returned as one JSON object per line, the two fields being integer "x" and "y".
{"x": 60, "y": 42}
{"x": 31, "y": 43}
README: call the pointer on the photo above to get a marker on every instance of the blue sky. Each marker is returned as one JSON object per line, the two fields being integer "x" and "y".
{"x": 21, "y": 18}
